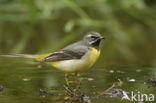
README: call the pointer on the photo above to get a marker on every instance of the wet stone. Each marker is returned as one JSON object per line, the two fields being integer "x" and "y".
{"x": 152, "y": 82}
{"x": 2, "y": 88}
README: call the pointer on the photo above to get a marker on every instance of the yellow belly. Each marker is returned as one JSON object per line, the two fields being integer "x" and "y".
{"x": 78, "y": 65}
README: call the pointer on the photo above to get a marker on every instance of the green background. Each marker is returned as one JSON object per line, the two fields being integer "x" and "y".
{"x": 43, "y": 26}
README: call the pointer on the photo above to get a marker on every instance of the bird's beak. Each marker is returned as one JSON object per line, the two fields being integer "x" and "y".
{"x": 102, "y": 38}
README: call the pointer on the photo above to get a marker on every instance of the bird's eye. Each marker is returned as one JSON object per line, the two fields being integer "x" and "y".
{"x": 93, "y": 37}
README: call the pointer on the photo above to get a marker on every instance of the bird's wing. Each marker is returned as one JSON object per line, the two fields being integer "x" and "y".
{"x": 73, "y": 51}
{"x": 61, "y": 55}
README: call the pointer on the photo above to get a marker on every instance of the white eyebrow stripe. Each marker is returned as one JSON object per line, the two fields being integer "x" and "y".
{"x": 90, "y": 35}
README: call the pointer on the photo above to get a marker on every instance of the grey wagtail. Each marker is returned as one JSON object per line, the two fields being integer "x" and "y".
{"x": 73, "y": 58}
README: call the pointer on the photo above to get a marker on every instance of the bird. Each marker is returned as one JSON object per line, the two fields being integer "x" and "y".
{"x": 73, "y": 58}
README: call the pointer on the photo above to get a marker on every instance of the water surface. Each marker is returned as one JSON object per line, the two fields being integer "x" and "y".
{"x": 27, "y": 81}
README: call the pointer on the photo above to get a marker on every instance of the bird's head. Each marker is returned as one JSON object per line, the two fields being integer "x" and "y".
{"x": 93, "y": 39}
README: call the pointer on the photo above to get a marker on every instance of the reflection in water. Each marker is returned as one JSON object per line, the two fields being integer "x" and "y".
{"x": 73, "y": 97}
{"x": 69, "y": 96}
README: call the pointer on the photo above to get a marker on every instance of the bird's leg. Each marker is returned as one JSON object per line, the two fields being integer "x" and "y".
{"x": 77, "y": 82}
{"x": 66, "y": 79}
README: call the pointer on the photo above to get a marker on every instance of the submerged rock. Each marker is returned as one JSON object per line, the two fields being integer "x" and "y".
{"x": 152, "y": 82}
{"x": 2, "y": 88}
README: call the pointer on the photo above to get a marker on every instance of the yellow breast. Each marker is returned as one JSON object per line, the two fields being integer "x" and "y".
{"x": 78, "y": 65}
{"x": 92, "y": 56}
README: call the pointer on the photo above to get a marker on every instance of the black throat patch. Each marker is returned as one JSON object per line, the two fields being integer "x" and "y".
{"x": 96, "y": 44}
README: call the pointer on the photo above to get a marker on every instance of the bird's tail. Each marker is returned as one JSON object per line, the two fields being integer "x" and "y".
{"x": 37, "y": 57}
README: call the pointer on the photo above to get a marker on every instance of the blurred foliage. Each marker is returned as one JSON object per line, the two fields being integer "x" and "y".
{"x": 42, "y": 26}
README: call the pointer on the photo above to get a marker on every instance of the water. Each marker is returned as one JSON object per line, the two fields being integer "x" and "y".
{"x": 27, "y": 81}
